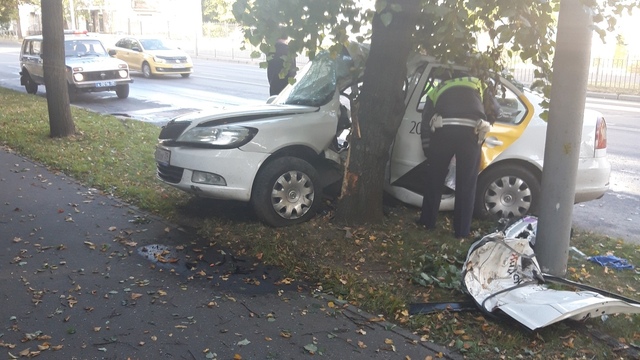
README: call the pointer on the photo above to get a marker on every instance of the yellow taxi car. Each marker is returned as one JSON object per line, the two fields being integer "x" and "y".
{"x": 152, "y": 56}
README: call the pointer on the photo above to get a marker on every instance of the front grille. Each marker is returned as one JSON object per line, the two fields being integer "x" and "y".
{"x": 101, "y": 75}
{"x": 168, "y": 173}
{"x": 173, "y": 129}
{"x": 168, "y": 70}
{"x": 174, "y": 59}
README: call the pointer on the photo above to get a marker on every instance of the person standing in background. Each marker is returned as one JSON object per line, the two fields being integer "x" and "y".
{"x": 276, "y": 64}
{"x": 455, "y": 120}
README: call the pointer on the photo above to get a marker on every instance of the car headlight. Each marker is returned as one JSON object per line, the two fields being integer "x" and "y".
{"x": 78, "y": 77}
{"x": 159, "y": 60}
{"x": 123, "y": 73}
{"x": 226, "y": 137}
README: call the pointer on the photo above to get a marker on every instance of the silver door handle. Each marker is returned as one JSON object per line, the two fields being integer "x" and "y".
{"x": 492, "y": 141}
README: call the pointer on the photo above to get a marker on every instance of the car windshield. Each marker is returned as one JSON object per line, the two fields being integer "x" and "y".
{"x": 154, "y": 44}
{"x": 83, "y": 47}
{"x": 318, "y": 81}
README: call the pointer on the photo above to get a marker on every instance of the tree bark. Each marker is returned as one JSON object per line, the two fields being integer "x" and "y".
{"x": 379, "y": 115}
{"x": 60, "y": 120}
{"x": 18, "y": 24}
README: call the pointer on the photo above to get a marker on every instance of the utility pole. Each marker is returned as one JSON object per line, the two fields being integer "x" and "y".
{"x": 564, "y": 132}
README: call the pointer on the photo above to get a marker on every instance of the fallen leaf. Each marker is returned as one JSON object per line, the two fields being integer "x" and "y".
{"x": 112, "y": 228}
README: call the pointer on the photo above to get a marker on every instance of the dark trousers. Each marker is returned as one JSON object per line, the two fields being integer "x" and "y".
{"x": 446, "y": 142}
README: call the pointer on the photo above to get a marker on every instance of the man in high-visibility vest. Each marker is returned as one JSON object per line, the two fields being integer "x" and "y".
{"x": 454, "y": 123}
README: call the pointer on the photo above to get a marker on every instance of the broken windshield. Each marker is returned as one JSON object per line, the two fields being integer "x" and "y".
{"x": 318, "y": 81}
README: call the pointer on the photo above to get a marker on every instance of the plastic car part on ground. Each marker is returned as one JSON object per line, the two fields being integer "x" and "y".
{"x": 612, "y": 262}
{"x": 502, "y": 273}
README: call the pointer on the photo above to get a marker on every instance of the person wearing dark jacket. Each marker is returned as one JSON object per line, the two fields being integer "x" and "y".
{"x": 275, "y": 66}
{"x": 454, "y": 123}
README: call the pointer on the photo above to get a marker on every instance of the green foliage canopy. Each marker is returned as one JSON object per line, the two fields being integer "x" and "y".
{"x": 479, "y": 33}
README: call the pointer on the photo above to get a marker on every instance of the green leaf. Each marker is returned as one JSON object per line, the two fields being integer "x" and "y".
{"x": 386, "y": 18}
{"x": 380, "y": 5}
{"x": 311, "y": 348}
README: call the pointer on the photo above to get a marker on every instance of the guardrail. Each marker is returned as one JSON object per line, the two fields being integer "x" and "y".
{"x": 614, "y": 75}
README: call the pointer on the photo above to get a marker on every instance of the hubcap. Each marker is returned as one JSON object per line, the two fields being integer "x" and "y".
{"x": 292, "y": 195}
{"x": 508, "y": 197}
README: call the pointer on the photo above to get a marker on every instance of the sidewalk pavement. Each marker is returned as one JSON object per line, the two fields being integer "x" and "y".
{"x": 85, "y": 276}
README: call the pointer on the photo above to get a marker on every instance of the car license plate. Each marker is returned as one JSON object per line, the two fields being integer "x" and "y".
{"x": 163, "y": 156}
{"x": 105, "y": 83}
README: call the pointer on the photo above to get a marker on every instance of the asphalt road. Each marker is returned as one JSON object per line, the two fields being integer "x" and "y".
{"x": 223, "y": 84}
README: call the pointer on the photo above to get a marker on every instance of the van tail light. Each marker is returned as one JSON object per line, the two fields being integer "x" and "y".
{"x": 601, "y": 134}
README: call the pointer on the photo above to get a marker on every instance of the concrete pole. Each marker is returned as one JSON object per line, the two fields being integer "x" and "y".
{"x": 568, "y": 92}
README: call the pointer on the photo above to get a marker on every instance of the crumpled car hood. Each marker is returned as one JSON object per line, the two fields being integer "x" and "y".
{"x": 242, "y": 114}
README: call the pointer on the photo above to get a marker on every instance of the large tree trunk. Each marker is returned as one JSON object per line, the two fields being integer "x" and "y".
{"x": 379, "y": 115}
{"x": 18, "y": 24}
{"x": 60, "y": 120}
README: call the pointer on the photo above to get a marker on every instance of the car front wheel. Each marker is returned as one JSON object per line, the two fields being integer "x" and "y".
{"x": 284, "y": 192}
{"x": 122, "y": 91}
{"x": 146, "y": 70}
{"x": 506, "y": 192}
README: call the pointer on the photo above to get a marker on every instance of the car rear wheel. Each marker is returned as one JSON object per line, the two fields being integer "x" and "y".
{"x": 506, "y": 192}
{"x": 146, "y": 70}
{"x": 30, "y": 86}
{"x": 122, "y": 91}
{"x": 284, "y": 192}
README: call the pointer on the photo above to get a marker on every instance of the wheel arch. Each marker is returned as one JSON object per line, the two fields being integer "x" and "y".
{"x": 523, "y": 163}
{"x": 326, "y": 168}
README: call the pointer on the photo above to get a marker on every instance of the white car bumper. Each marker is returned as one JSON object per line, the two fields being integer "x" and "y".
{"x": 593, "y": 179}
{"x": 236, "y": 167}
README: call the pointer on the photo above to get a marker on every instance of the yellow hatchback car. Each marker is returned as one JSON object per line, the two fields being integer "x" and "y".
{"x": 152, "y": 56}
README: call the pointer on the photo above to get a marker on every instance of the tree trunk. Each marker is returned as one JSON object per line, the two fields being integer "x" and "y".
{"x": 380, "y": 112}
{"x": 18, "y": 24}
{"x": 60, "y": 120}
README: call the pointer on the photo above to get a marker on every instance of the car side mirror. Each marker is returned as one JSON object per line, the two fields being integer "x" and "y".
{"x": 135, "y": 48}
{"x": 271, "y": 99}
{"x": 112, "y": 53}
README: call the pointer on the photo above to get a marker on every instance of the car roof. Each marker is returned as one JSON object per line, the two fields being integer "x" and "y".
{"x": 87, "y": 36}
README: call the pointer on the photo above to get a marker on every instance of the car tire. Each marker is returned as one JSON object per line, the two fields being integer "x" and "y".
{"x": 146, "y": 70}
{"x": 285, "y": 192}
{"x": 507, "y": 192}
{"x": 73, "y": 96}
{"x": 31, "y": 86}
{"x": 122, "y": 91}
{"x": 185, "y": 75}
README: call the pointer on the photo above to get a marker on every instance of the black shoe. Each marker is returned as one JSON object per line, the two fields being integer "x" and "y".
{"x": 421, "y": 224}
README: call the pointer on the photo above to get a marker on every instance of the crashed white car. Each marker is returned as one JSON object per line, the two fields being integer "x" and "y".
{"x": 279, "y": 156}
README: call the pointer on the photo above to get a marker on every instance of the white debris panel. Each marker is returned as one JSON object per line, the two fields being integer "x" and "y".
{"x": 502, "y": 274}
